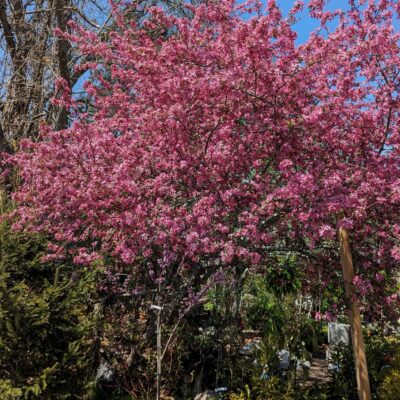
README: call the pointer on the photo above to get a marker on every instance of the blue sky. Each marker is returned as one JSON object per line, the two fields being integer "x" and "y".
{"x": 306, "y": 24}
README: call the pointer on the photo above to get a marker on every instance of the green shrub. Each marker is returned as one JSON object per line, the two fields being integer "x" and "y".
{"x": 47, "y": 345}
{"x": 382, "y": 357}
{"x": 390, "y": 387}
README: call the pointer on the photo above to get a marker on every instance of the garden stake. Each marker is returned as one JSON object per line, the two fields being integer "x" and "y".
{"x": 360, "y": 360}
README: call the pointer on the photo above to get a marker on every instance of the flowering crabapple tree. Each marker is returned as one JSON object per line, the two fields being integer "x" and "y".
{"x": 216, "y": 140}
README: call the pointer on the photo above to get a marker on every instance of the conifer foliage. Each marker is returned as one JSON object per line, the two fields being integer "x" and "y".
{"x": 47, "y": 324}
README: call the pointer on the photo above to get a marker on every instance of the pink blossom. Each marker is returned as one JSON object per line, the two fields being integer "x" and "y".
{"x": 363, "y": 285}
{"x": 227, "y": 140}
{"x": 326, "y": 231}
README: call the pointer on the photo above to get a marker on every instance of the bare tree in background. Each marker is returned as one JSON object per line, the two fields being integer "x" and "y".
{"x": 31, "y": 57}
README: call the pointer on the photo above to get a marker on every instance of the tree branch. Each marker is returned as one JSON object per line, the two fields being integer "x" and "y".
{"x": 8, "y": 34}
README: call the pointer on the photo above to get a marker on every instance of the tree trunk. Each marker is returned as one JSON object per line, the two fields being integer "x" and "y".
{"x": 360, "y": 360}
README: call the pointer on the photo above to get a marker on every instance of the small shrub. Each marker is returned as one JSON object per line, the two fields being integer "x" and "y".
{"x": 390, "y": 388}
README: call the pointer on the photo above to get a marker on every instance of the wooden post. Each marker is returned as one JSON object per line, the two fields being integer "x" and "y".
{"x": 360, "y": 360}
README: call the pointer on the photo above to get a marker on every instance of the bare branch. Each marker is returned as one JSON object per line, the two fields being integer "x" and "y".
{"x": 8, "y": 35}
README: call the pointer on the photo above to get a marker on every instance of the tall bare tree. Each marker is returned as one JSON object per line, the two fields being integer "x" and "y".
{"x": 31, "y": 57}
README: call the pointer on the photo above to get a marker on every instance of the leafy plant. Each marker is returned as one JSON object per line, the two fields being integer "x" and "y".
{"x": 390, "y": 387}
{"x": 47, "y": 342}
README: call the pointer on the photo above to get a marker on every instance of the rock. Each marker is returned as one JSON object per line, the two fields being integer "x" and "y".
{"x": 303, "y": 365}
{"x": 104, "y": 372}
{"x": 284, "y": 359}
{"x": 207, "y": 395}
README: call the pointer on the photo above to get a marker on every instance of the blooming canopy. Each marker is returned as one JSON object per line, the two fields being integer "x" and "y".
{"x": 217, "y": 137}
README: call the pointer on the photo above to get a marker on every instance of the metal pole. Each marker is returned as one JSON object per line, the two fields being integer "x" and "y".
{"x": 158, "y": 353}
{"x": 158, "y": 309}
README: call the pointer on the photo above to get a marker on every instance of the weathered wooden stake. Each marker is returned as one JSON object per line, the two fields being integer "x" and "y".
{"x": 360, "y": 360}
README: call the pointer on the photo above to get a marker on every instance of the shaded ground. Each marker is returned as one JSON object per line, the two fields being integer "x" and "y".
{"x": 318, "y": 373}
